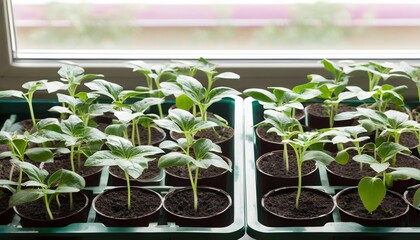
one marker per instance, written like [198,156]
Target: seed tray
[333,230]
[227,108]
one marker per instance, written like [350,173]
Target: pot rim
[210,177]
[121,188]
[303,188]
[269,175]
[405,196]
[55,219]
[364,218]
[199,187]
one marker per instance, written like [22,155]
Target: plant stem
[57,200]
[78,157]
[149,135]
[286,157]
[12,168]
[72,158]
[127,179]
[47,206]
[20,180]
[299,165]
[194,187]
[71,201]
[31,109]
[133,132]
[138,135]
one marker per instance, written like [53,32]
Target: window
[109,29]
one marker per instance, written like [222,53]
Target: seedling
[372,190]
[283,99]
[132,160]
[308,146]
[31,88]
[284,126]
[45,186]
[195,154]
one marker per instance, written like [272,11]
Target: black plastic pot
[273,219]
[320,122]
[142,220]
[270,182]
[413,213]
[6,214]
[79,216]
[347,216]
[217,181]
[219,219]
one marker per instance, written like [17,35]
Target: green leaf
[25,196]
[102,158]
[174,159]
[54,86]
[192,88]
[218,93]
[133,169]
[40,154]
[72,126]
[66,178]
[33,173]
[168,124]
[416,199]
[116,129]
[111,90]
[202,146]
[60,110]
[261,95]
[371,191]
[342,157]
[364,158]
[171,145]
[126,117]
[318,156]
[388,150]
[11,93]
[184,102]
[403,173]
[228,75]
[380,167]
[144,104]
[69,70]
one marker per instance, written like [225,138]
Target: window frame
[256,70]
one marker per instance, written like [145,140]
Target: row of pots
[279,208]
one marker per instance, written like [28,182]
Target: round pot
[211,177]
[391,213]
[6,212]
[413,213]
[111,207]
[37,208]
[318,119]
[280,209]
[214,207]
[92,175]
[273,161]
[152,176]
[225,142]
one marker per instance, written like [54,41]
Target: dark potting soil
[26,124]
[352,168]
[405,160]
[114,203]
[37,209]
[311,204]
[318,109]
[216,134]
[182,171]
[4,200]
[4,148]
[410,193]
[391,206]
[274,165]
[409,140]
[61,162]
[209,203]
[151,172]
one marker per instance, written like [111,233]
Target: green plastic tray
[333,230]
[228,108]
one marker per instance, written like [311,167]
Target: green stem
[72,158]
[20,180]
[79,164]
[299,165]
[149,135]
[71,200]
[194,187]
[138,135]
[47,206]
[127,179]
[57,200]
[31,110]
[202,112]
[133,132]
[286,157]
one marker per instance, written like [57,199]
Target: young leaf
[416,199]
[40,154]
[342,157]
[371,191]
[24,196]
[261,95]
[388,149]
[184,102]
[11,93]
[318,156]
[112,90]
[174,159]
[228,75]
[402,173]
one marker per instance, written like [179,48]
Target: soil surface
[6,165]
[63,162]
[209,203]
[274,165]
[4,147]
[311,204]
[37,210]
[318,110]
[151,172]
[351,169]
[158,135]
[114,203]
[182,171]
[4,199]
[409,140]
[217,134]
[405,160]
[26,124]
[391,206]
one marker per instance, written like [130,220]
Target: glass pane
[215,25]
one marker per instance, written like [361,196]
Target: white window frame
[285,68]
